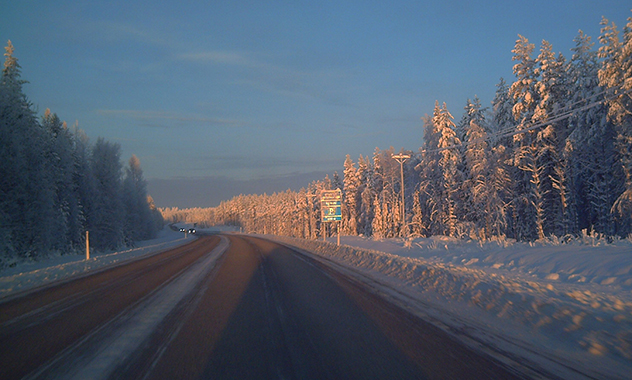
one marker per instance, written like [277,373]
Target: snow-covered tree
[473,111]
[139,224]
[367,194]
[351,196]
[584,151]
[26,200]
[553,177]
[53,185]
[449,160]
[84,180]
[108,212]
[615,75]
[66,233]
[547,161]
[525,97]
[502,113]
[523,92]
[430,190]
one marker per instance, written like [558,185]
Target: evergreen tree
[335,182]
[448,165]
[588,160]
[366,192]
[502,113]
[351,196]
[523,92]
[552,170]
[524,96]
[53,185]
[417,222]
[616,76]
[108,214]
[25,192]
[475,112]
[85,183]
[377,224]
[138,221]
[65,233]
[475,179]
[430,176]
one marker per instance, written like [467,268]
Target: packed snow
[27,275]
[565,308]
[138,324]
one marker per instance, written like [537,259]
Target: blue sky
[219,98]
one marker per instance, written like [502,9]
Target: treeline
[55,185]
[551,157]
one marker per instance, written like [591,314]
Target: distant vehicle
[191,230]
[182,229]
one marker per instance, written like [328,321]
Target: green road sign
[330,205]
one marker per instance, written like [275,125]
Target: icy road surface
[250,308]
[564,308]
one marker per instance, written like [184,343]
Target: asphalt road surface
[231,307]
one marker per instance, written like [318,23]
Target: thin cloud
[122,32]
[273,78]
[150,116]
[220,57]
[237,162]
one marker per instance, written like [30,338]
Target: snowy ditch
[25,276]
[563,306]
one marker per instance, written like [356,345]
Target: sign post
[331,208]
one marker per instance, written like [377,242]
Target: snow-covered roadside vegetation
[521,213]
[549,159]
[55,185]
[560,305]
[27,275]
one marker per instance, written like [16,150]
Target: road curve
[271,313]
[254,310]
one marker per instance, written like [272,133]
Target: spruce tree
[616,76]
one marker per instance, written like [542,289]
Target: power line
[512,131]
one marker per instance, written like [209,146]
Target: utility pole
[401,158]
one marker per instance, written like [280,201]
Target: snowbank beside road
[29,275]
[581,261]
[564,306]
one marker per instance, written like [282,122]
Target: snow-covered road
[210,309]
[561,307]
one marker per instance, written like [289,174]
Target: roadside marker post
[87,245]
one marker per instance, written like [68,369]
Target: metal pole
[401,158]
[87,245]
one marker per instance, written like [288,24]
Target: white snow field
[28,275]
[564,308]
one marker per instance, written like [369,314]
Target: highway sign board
[331,205]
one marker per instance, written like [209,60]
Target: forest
[55,185]
[550,159]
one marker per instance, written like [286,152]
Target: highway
[225,307]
